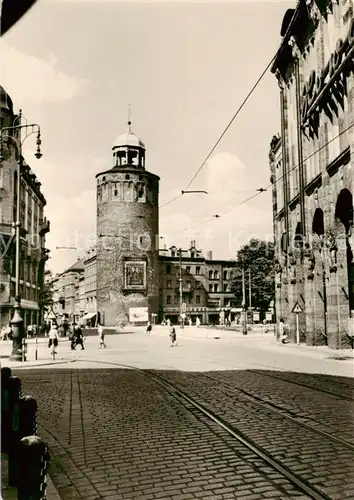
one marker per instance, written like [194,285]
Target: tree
[258,257]
[45,299]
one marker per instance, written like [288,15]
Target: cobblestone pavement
[325,463]
[116,434]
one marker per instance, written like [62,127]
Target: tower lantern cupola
[129,150]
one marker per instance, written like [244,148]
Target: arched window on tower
[133,157]
[140,192]
[128,191]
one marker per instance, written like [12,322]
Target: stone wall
[127,233]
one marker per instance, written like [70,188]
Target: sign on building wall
[135,275]
[138,314]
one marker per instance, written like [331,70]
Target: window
[127,177]
[197,284]
[225,288]
[189,285]
[225,275]
[168,269]
[190,300]
[188,269]
[210,275]
[197,299]
[216,288]
[169,284]
[168,299]
[176,299]
[210,288]
[216,275]
[173,253]
[192,254]
[197,270]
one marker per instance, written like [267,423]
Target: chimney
[192,244]
[210,255]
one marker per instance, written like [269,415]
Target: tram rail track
[190,403]
[278,410]
[301,384]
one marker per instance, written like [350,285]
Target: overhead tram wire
[260,78]
[288,30]
[262,190]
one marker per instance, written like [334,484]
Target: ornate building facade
[34,226]
[127,233]
[312,172]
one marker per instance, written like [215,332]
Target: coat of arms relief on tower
[135,275]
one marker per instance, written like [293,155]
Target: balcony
[44,227]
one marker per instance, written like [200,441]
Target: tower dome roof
[128,139]
[5,100]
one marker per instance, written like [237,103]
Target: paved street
[116,433]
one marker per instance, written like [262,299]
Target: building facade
[33,226]
[66,292]
[312,172]
[127,234]
[206,289]
[206,286]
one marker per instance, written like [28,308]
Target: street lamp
[17,320]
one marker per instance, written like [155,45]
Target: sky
[73,67]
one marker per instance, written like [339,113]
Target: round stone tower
[127,236]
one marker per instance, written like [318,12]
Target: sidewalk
[44,356]
[258,335]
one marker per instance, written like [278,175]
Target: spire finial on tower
[129,118]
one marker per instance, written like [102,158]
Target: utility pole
[244,313]
[180,289]
[249,289]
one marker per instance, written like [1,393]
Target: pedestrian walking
[101,335]
[148,328]
[197,322]
[77,338]
[172,335]
[283,332]
[53,338]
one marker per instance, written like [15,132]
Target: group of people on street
[76,337]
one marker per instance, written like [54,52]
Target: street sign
[297,308]
[184,307]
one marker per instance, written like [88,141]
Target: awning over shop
[88,316]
